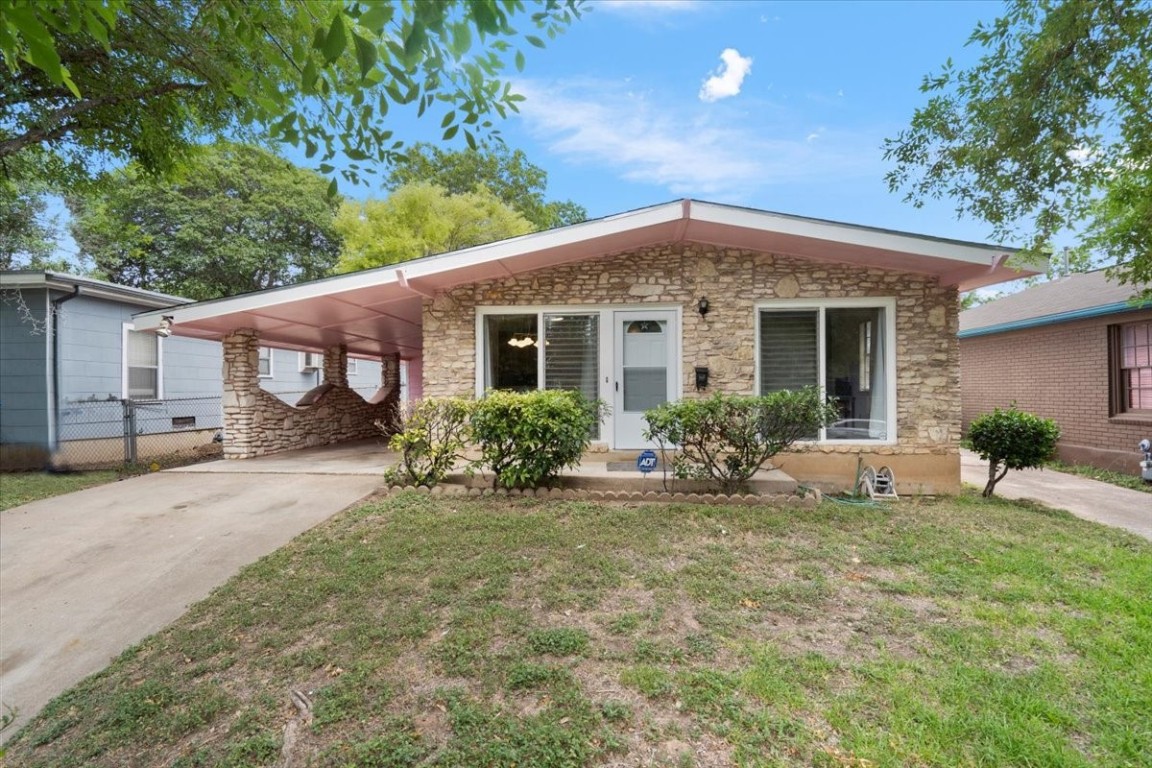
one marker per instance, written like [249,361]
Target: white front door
[645,371]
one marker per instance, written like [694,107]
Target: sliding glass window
[842,349]
[571,359]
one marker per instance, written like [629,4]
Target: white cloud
[693,151]
[1081,155]
[728,78]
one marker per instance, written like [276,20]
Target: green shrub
[432,439]
[725,439]
[1012,439]
[526,439]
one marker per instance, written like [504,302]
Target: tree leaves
[1047,134]
[365,55]
[335,40]
[148,80]
[421,219]
[232,219]
[508,174]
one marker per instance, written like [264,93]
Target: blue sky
[782,106]
[619,115]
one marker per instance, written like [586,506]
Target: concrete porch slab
[372,457]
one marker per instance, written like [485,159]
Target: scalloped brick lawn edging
[808,501]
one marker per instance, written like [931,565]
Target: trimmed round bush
[527,438]
[1012,439]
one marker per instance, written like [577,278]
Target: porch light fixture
[165,329]
[702,306]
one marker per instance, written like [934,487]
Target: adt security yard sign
[646,461]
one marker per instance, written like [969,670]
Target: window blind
[572,353]
[788,350]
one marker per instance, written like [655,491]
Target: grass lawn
[1124,480]
[18,488]
[429,631]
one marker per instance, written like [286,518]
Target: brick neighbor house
[1077,350]
[675,300]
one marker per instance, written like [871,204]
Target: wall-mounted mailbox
[701,377]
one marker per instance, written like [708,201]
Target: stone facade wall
[258,423]
[927,354]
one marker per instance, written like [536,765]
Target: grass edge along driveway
[415,630]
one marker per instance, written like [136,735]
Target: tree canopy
[1049,132]
[422,219]
[105,82]
[230,219]
[507,173]
[27,231]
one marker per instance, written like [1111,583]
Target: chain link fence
[103,434]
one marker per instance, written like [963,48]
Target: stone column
[390,383]
[390,372]
[241,385]
[336,366]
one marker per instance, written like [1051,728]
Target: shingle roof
[1071,297]
[33,278]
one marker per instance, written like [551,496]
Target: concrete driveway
[1082,496]
[86,575]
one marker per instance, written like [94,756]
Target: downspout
[54,316]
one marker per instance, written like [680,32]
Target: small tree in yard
[726,439]
[1012,439]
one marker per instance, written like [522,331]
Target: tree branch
[42,134]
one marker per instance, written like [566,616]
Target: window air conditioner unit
[311,361]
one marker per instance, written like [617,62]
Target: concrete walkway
[1082,496]
[86,575]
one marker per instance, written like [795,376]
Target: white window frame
[353,366]
[127,328]
[271,364]
[606,361]
[888,304]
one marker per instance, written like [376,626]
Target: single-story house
[1077,350]
[675,300]
[69,356]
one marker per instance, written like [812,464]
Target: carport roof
[378,311]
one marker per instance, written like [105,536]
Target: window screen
[143,365]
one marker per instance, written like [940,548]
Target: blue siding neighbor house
[70,359]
